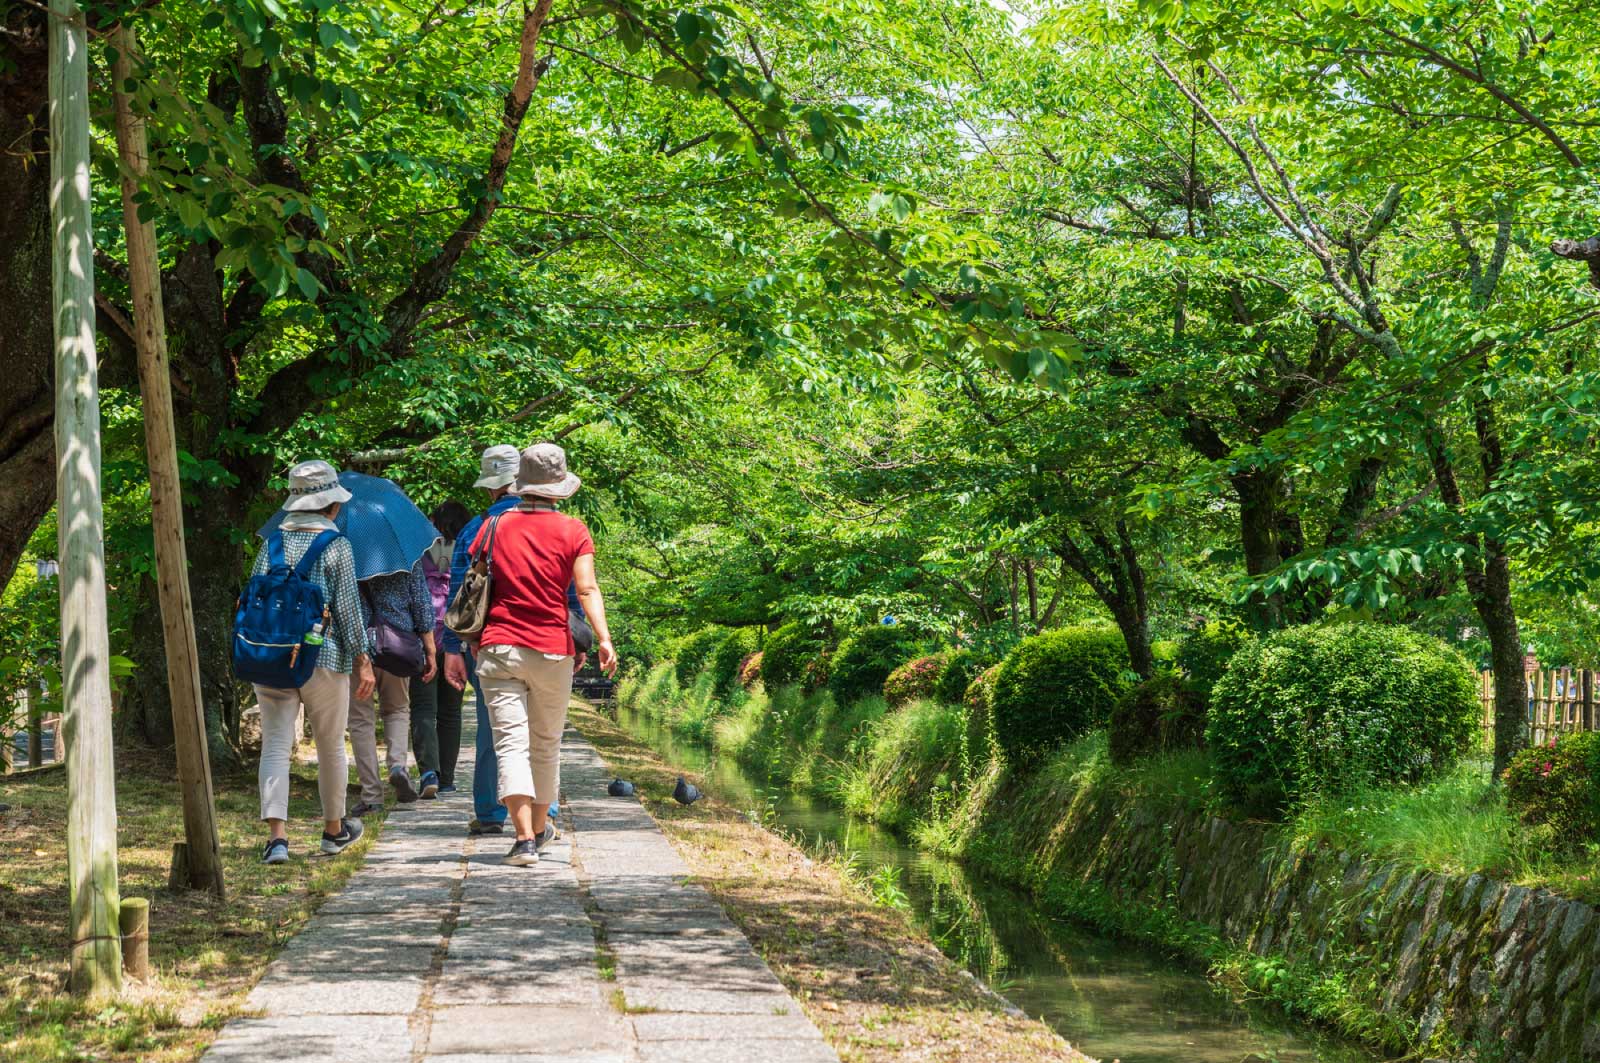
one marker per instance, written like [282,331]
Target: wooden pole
[134,923]
[166,495]
[1588,699]
[91,828]
[35,713]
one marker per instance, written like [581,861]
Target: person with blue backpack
[298,637]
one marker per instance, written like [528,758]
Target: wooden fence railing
[1560,700]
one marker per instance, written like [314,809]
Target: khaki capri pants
[526,693]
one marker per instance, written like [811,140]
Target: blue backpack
[276,612]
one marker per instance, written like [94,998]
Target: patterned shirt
[401,598]
[335,573]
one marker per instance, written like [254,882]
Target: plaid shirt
[335,573]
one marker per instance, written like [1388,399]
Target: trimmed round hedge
[693,652]
[1328,709]
[917,678]
[1204,653]
[728,655]
[1055,686]
[1161,715]
[1557,786]
[961,668]
[865,659]
[787,653]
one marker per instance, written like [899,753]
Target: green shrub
[961,668]
[1053,687]
[729,654]
[978,746]
[1558,784]
[917,678]
[1327,710]
[750,670]
[693,652]
[1204,653]
[787,653]
[865,659]
[1161,715]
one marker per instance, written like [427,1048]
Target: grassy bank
[905,769]
[205,956]
[1043,830]
[877,988]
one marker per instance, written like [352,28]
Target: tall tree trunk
[1260,495]
[27,447]
[204,382]
[1492,599]
[1116,577]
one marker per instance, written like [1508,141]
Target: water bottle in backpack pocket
[277,634]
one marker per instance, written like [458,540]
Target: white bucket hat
[498,467]
[314,485]
[543,473]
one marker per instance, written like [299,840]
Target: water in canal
[1111,999]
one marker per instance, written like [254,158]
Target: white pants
[326,697]
[394,704]
[526,693]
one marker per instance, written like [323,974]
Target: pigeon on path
[620,788]
[686,793]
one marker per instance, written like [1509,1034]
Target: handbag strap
[486,555]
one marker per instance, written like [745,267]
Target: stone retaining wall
[1506,972]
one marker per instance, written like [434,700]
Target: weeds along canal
[1112,999]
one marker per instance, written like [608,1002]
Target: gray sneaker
[350,831]
[400,779]
[523,854]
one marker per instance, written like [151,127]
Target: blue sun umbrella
[387,532]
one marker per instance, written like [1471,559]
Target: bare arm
[594,607]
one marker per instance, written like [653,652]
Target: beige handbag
[469,613]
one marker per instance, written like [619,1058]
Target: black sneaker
[523,854]
[276,852]
[401,781]
[448,788]
[365,808]
[546,836]
[476,827]
[337,843]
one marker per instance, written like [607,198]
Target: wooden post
[166,495]
[35,714]
[91,827]
[1588,699]
[134,923]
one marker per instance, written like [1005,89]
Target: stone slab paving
[435,952]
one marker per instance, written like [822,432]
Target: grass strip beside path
[874,985]
[204,956]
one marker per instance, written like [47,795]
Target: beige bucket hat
[314,485]
[543,473]
[498,467]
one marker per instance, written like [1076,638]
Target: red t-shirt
[532,566]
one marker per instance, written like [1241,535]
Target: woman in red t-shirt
[525,654]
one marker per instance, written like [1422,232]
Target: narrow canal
[1111,999]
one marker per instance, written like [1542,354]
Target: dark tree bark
[1113,572]
[27,394]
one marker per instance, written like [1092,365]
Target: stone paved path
[435,951]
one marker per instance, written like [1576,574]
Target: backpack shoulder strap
[275,555]
[313,553]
